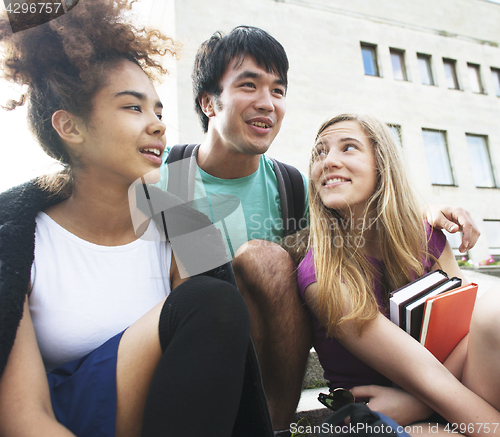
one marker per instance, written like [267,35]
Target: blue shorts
[83,392]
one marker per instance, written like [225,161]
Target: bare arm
[394,402]
[414,369]
[447,262]
[398,404]
[453,219]
[178,274]
[25,406]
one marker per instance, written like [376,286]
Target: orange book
[446,320]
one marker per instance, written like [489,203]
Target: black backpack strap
[179,181]
[292,196]
[179,152]
[290,185]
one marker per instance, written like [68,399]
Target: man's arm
[453,219]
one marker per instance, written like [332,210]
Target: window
[396,133]
[480,160]
[398,64]
[450,71]
[495,75]
[438,160]
[424,66]
[369,53]
[492,233]
[476,84]
[455,241]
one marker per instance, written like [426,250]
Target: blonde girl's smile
[344,170]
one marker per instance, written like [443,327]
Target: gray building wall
[322,39]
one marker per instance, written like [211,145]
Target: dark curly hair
[216,53]
[65,62]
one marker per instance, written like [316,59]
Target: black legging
[208,362]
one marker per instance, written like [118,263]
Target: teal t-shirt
[242,209]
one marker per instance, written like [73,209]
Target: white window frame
[451,75]
[492,235]
[495,76]
[396,133]
[425,66]
[475,80]
[480,160]
[370,48]
[399,71]
[437,152]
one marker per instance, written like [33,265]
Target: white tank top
[83,294]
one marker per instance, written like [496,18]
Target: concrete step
[310,412]
[314,372]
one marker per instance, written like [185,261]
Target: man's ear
[207,104]
[67,126]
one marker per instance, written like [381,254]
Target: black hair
[215,54]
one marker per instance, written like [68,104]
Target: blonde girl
[366,239]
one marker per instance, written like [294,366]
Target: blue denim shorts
[83,392]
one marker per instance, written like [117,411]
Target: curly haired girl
[99,334]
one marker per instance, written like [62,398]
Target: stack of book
[434,309]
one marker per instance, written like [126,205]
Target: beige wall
[322,40]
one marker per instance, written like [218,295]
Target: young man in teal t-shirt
[240,84]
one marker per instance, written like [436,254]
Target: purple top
[341,368]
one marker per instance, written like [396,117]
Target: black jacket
[19,207]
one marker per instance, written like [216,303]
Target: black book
[415,309]
[402,296]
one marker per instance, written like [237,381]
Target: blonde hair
[399,224]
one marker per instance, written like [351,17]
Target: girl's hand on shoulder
[395,403]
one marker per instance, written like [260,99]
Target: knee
[209,303]
[486,318]
[260,249]
[263,259]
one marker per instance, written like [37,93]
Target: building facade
[430,69]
